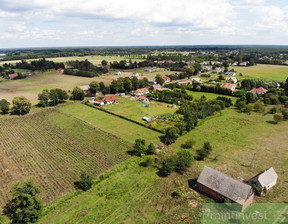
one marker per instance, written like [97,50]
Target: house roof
[166,78]
[12,76]
[230,73]
[231,77]
[259,90]
[157,86]
[225,185]
[143,90]
[228,85]
[84,88]
[108,98]
[142,97]
[185,82]
[60,69]
[266,177]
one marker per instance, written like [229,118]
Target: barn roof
[225,185]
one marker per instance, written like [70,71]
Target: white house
[196,79]
[265,179]
[149,69]
[117,73]
[135,75]
[231,79]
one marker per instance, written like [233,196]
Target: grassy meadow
[262,71]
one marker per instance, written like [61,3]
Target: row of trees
[20,106]
[40,65]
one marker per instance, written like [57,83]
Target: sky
[60,23]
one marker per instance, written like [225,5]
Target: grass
[112,124]
[131,108]
[262,71]
[54,152]
[132,195]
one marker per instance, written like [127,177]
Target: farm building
[185,82]
[85,89]
[230,86]
[155,87]
[143,99]
[266,179]
[117,73]
[166,79]
[259,90]
[60,70]
[230,73]
[140,92]
[152,81]
[149,69]
[196,79]
[231,79]
[135,75]
[222,187]
[13,76]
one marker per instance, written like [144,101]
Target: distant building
[265,180]
[149,69]
[117,73]
[135,75]
[143,99]
[230,73]
[259,90]
[13,76]
[60,70]
[230,86]
[231,79]
[152,81]
[185,82]
[86,90]
[217,70]
[222,187]
[196,79]
[140,92]
[166,79]
[25,74]
[156,87]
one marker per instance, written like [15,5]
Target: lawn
[54,152]
[209,96]
[131,108]
[261,71]
[112,124]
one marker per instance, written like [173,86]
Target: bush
[184,160]
[139,147]
[178,193]
[21,105]
[188,144]
[274,110]
[77,94]
[4,106]
[151,149]
[205,151]
[85,182]
[148,161]
[277,118]
[168,166]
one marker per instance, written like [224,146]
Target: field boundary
[125,118]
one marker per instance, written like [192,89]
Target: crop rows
[53,149]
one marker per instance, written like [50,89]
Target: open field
[133,195]
[268,72]
[235,138]
[124,129]
[131,108]
[209,96]
[54,152]
[95,59]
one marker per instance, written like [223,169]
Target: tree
[286,87]
[248,108]
[159,79]
[259,107]
[139,147]
[93,87]
[85,182]
[251,97]
[171,135]
[25,206]
[61,94]
[77,94]
[21,105]
[104,62]
[205,151]
[190,120]
[190,71]
[168,166]
[43,98]
[4,106]
[151,149]
[277,118]
[184,160]
[188,144]
[53,96]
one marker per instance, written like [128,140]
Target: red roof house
[166,79]
[259,90]
[13,76]
[61,70]
[110,99]
[230,86]
[143,99]
[140,92]
[186,82]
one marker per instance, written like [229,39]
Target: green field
[261,71]
[54,152]
[209,96]
[131,108]
[112,124]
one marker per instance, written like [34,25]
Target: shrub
[184,160]
[277,118]
[85,182]
[188,144]
[168,166]
[4,106]
[148,161]
[21,105]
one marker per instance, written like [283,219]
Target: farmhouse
[166,79]
[135,75]
[265,180]
[85,89]
[152,81]
[117,73]
[230,86]
[13,76]
[230,73]
[60,70]
[222,187]
[108,99]
[259,90]
[143,99]
[196,80]
[155,87]
[185,82]
[149,69]
[231,79]
[140,92]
